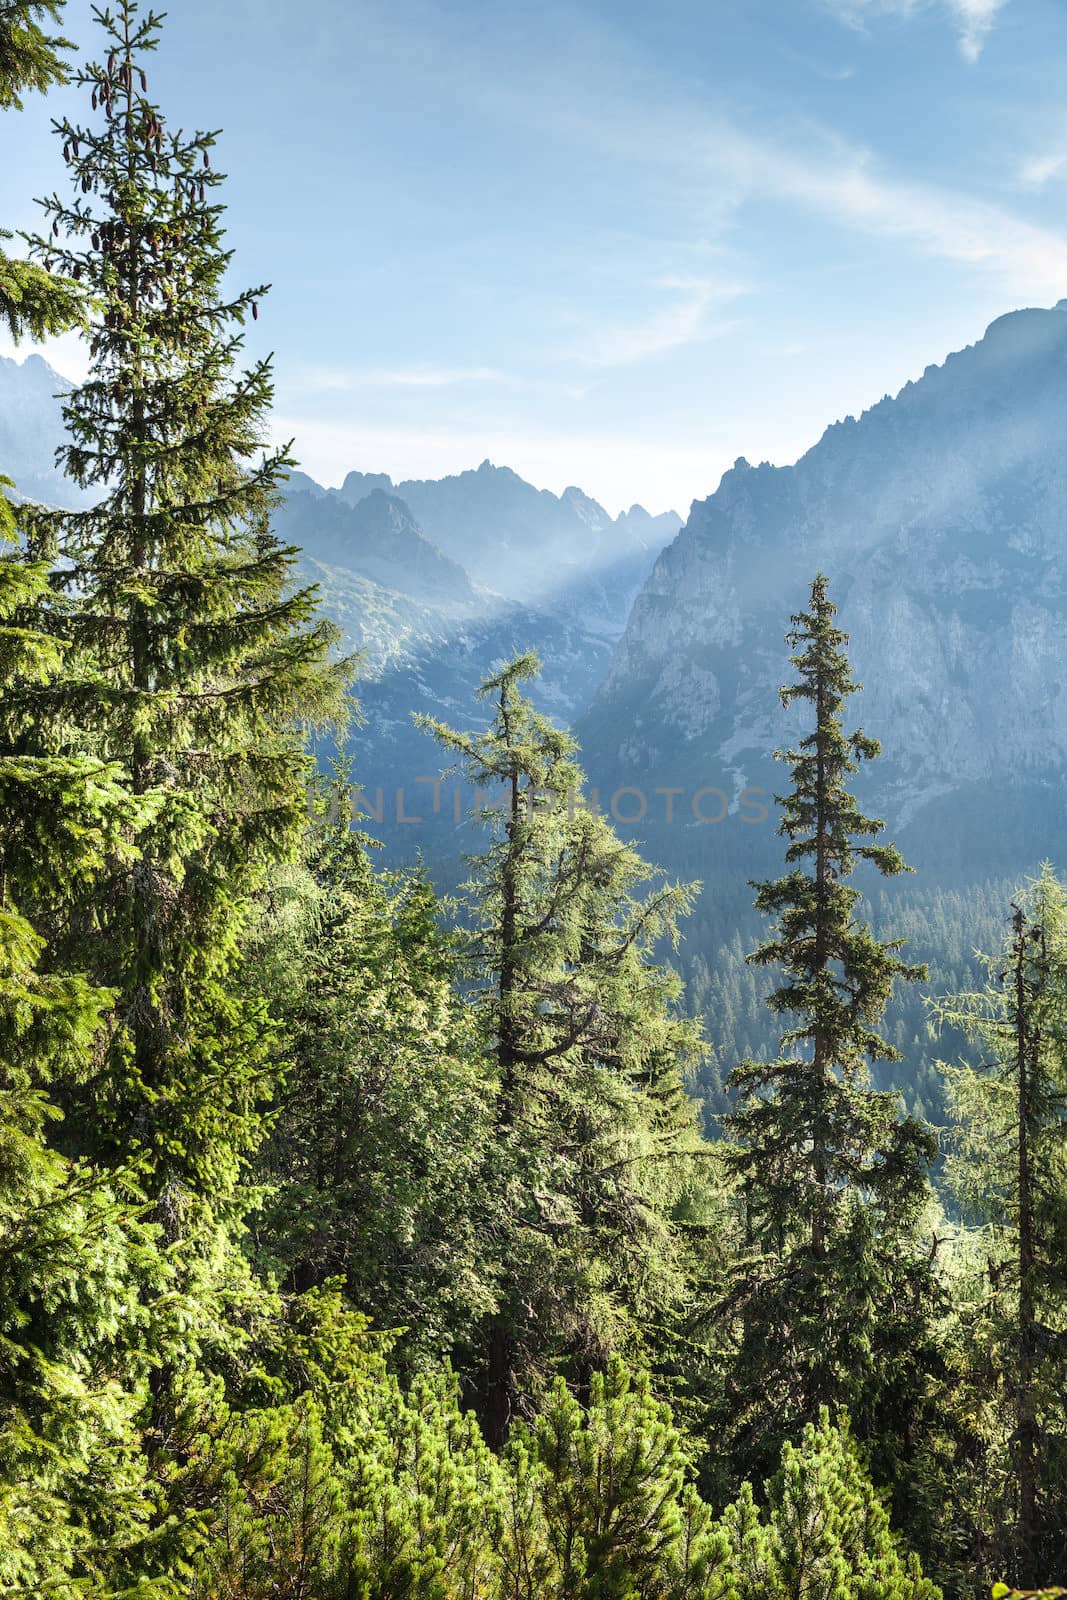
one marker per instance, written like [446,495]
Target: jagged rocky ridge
[560,550]
[378,538]
[425,634]
[941,517]
[433,601]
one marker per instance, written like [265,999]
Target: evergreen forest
[361,1243]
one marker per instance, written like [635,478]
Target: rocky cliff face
[940,517]
[377,538]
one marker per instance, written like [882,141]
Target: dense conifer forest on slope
[346,1254]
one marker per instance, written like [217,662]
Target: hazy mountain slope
[426,635]
[31,427]
[550,573]
[420,657]
[941,518]
[530,544]
[377,538]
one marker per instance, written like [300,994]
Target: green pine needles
[831,1177]
[33,302]
[594,1145]
[360,1245]
[190,656]
[31,59]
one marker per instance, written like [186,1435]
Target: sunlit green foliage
[360,1247]
[833,1293]
[593,1145]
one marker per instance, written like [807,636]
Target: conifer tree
[343,1483]
[189,659]
[375,1156]
[49,805]
[75,1504]
[827,1535]
[594,1138]
[72,1493]
[76,1258]
[621,1519]
[1008,1170]
[833,1293]
[32,301]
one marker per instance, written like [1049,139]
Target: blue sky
[610,243]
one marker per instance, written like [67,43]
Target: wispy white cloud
[940,223]
[715,160]
[428,377]
[1039,170]
[601,96]
[604,98]
[828,176]
[684,321]
[973,18]
[855,13]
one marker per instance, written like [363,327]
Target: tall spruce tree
[189,657]
[32,301]
[594,1140]
[833,1293]
[72,1493]
[1008,1170]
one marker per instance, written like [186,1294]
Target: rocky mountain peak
[939,517]
[377,538]
[358,485]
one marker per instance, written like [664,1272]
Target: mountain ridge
[530,543]
[508,537]
[31,429]
[939,516]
